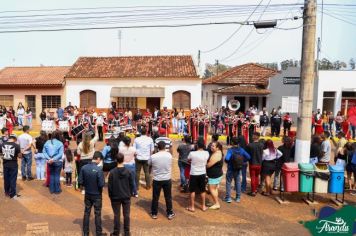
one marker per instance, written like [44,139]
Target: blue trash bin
[336,181]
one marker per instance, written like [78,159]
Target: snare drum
[78,130]
[63,125]
[48,126]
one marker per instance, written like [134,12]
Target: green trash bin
[306,177]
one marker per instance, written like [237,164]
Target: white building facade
[134,82]
[336,89]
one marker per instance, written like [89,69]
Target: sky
[263,46]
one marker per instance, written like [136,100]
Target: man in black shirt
[92,178]
[10,151]
[120,189]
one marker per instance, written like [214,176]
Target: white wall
[335,81]
[102,87]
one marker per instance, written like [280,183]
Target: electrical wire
[248,35]
[233,34]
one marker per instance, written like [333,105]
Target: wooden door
[151,103]
[181,99]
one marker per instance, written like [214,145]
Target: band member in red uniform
[287,124]
[345,125]
[245,129]
[9,123]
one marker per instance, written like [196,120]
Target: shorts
[109,166]
[268,167]
[197,183]
[349,167]
[214,181]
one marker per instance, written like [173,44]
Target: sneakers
[153,216]
[171,216]
[24,178]
[30,178]
[17,196]
[83,192]
[238,200]
[252,194]
[228,200]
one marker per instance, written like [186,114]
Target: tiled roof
[243,90]
[134,67]
[244,74]
[44,76]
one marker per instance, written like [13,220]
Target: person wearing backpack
[235,158]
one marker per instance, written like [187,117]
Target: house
[38,87]
[134,82]
[246,83]
[331,91]
[284,88]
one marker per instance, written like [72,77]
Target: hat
[97,155]
[13,136]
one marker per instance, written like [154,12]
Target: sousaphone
[233,105]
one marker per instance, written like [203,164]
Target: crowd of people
[117,167]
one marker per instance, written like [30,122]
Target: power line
[248,35]
[232,35]
[123,27]
[335,17]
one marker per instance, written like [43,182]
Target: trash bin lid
[290,166]
[337,168]
[316,168]
[306,166]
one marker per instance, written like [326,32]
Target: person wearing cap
[10,151]
[92,178]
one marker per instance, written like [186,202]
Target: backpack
[237,161]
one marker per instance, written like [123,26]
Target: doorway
[151,103]
[242,103]
[31,103]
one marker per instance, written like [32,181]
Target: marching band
[198,123]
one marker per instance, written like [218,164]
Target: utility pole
[302,148]
[119,37]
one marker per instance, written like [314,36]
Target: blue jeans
[244,177]
[181,173]
[54,181]
[10,177]
[236,176]
[20,120]
[181,126]
[40,166]
[353,131]
[132,169]
[29,122]
[175,125]
[26,164]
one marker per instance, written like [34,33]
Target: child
[68,169]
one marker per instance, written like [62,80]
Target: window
[290,104]
[88,99]
[181,99]
[7,100]
[51,102]
[349,94]
[329,94]
[126,102]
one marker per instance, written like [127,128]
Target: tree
[325,64]
[339,65]
[289,63]
[273,65]
[213,69]
[352,64]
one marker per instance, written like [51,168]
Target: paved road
[37,212]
